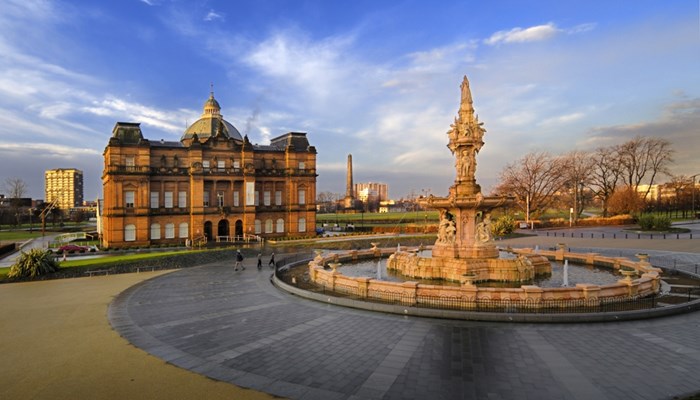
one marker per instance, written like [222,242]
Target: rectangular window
[155,231]
[182,199]
[302,224]
[183,230]
[302,165]
[205,164]
[278,198]
[266,197]
[206,199]
[302,196]
[221,165]
[129,198]
[250,193]
[154,199]
[236,200]
[236,164]
[129,162]
[257,198]
[220,199]
[168,199]
[169,231]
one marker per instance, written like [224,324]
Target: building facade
[372,192]
[212,184]
[64,185]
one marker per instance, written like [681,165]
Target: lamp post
[693,193]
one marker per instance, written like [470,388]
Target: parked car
[72,248]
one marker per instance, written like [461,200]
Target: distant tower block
[349,195]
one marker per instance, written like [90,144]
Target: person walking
[271,264]
[239,261]
[259,261]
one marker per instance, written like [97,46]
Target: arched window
[302,224]
[169,231]
[280,225]
[258,226]
[155,231]
[184,230]
[130,233]
[268,226]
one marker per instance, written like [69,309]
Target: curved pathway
[236,327]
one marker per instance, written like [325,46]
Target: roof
[211,124]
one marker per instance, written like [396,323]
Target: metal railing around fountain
[527,306]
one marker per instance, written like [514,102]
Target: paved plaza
[236,327]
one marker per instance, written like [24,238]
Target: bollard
[664,236]
[639,236]
[591,236]
[677,236]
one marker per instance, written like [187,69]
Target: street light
[693,206]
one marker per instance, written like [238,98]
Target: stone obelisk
[349,190]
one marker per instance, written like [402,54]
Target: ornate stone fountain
[464,244]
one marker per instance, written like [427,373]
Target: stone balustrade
[409,293]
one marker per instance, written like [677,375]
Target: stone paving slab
[236,327]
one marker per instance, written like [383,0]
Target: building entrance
[223,228]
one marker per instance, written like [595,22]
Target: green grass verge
[405,217]
[117,259]
[12,236]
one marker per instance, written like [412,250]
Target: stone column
[362,286]
[409,290]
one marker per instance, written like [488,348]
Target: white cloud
[213,16]
[562,119]
[47,150]
[519,35]
[535,33]
[123,110]
[293,60]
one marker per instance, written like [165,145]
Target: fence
[618,235]
[527,306]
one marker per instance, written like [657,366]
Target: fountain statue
[465,242]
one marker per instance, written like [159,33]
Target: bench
[151,268]
[97,271]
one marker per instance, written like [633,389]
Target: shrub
[662,223]
[646,222]
[35,263]
[504,225]
[651,222]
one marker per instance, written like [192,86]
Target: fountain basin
[530,296]
[523,268]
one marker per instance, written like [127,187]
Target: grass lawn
[11,236]
[109,259]
[405,217]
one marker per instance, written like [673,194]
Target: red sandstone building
[212,184]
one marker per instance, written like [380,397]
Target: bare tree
[606,174]
[16,188]
[681,187]
[534,180]
[577,169]
[643,158]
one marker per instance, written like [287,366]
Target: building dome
[211,123]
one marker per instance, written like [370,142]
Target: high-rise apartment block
[372,192]
[66,185]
